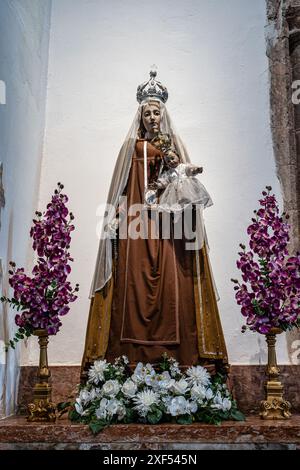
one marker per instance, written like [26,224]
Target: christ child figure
[180,186]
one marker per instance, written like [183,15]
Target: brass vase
[274,406]
[42,409]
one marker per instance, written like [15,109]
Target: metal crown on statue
[152,89]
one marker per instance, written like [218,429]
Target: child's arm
[192,170]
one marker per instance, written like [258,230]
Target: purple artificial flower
[270,293]
[45,296]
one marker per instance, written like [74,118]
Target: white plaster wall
[24,35]
[211,56]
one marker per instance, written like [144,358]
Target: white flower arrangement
[115,394]
[96,372]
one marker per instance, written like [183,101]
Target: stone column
[283,50]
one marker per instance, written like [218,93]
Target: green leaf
[63,408]
[185,419]
[237,415]
[129,418]
[97,426]
[63,405]
[155,416]
[73,415]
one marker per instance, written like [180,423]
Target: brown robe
[160,297]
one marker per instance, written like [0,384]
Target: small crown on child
[162,142]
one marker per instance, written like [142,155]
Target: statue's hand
[153,185]
[197,169]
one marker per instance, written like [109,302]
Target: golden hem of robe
[159,299]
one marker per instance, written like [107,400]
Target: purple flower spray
[269,295]
[45,296]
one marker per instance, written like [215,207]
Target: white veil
[103,268]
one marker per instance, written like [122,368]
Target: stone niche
[283,50]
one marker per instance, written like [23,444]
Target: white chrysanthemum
[180,387]
[111,388]
[96,372]
[178,406]
[129,388]
[198,375]
[144,400]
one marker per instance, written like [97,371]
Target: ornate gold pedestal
[274,407]
[42,409]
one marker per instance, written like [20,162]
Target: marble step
[254,433]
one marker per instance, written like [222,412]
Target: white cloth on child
[182,189]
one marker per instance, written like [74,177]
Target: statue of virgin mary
[151,295]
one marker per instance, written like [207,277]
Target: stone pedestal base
[275,407]
[254,433]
